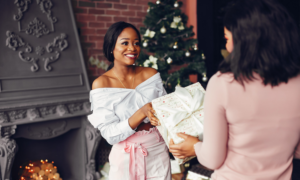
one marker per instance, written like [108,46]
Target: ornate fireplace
[44,90]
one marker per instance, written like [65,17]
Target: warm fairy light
[40,170]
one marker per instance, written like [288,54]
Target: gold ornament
[203,56]
[175,45]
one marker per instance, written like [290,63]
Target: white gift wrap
[181,111]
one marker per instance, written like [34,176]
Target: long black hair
[266,41]
[111,37]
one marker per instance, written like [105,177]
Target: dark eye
[137,43]
[125,43]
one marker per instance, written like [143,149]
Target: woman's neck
[124,72]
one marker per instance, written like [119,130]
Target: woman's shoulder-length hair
[266,41]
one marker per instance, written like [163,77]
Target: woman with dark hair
[122,110]
[252,105]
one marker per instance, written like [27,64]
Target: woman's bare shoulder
[146,72]
[102,81]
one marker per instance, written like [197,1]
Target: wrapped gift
[181,111]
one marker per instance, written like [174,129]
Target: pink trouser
[144,155]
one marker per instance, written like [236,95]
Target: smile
[131,55]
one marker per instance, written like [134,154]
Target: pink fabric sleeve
[212,151]
[297,152]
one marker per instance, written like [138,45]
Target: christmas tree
[167,41]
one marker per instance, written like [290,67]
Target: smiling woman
[122,110]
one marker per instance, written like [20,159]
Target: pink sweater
[251,132]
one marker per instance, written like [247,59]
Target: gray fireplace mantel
[44,86]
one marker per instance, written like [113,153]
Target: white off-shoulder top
[112,107]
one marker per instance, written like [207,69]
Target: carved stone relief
[48,132]
[93,138]
[59,44]
[8,149]
[30,114]
[37,28]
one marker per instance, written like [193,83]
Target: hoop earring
[111,52]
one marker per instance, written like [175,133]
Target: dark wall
[210,28]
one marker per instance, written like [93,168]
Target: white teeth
[129,55]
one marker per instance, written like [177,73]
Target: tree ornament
[145,43]
[204,78]
[203,56]
[195,47]
[149,33]
[158,2]
[151,61]
[176,4]
[148,10]
[169,60]
[163,30]
[175,46]
[187,54]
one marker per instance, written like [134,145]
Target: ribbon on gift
[196,103]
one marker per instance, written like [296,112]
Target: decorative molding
[62,109]
[93,138]
[22,7]
[39,50]
[8,149]
[17,114]
[74,107]
[46,6]
[14,42]
[37,28]
[33,113]
[48,132]
[44,111]
[60,44]
[3,117]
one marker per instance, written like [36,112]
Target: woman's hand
[149,112]
[184,149]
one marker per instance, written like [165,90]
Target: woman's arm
[212,151]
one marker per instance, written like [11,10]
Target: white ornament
[169,60]
[176,4]
[148,10]
[163,30]
[187,54]
[203,56]
[145,44]
[158,2]
[175,45]
[204,79]
[195,47]
[149,33]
